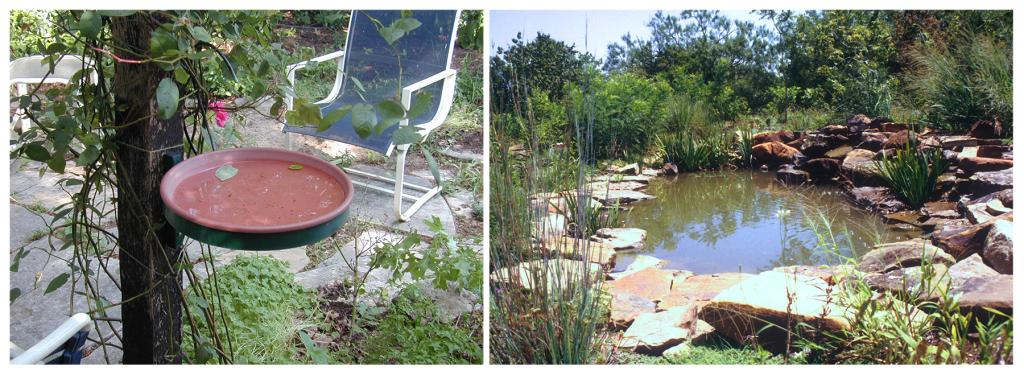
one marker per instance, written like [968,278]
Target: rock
[621,238]
[816,144]
[893,127]
[957,142]
[860,121]
[909,281]
[978,213]
[821,169]
[834,130]
[651,283]
[682,349]
[992,151]
[829,274]
[653,333]
[557,273]
[972,165]
[995,207]
[616,178]
[774,153]
[972,266]
[640,263]
[898,140]
[620,197]
[890,256]
[792,176]
[551,224]
[670,169]
[872,141]
[878,199]
[906,217]
[839,152]
[758,306]
[982,183]
[986,129]
[700,288]
[629,169]
[977,293]
[939,208]
[572,248]
[652,172]
[998,251]
[860,168]
[625,307]
[781,136]
[968,152]
[962,241]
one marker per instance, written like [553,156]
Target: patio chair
[63,346]
[367,68]
[33,70]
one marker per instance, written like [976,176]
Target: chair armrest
[52,342]
[447,95]
[291,69]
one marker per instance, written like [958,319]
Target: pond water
[746,221]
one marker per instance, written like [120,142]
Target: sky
[593,28]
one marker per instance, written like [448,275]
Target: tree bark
[150,282]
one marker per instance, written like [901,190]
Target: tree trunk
[150,282]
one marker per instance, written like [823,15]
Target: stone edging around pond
[967,237]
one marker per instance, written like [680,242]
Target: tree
[541,65]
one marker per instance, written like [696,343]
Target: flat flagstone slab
[377,207]
[27,226]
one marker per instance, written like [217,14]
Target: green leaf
[56,283]
[275,109]
[333,117]
[226,172]
[57,163]
[406,24]
[88,156]
[37,152]
[359,84]
[200,301]
[432,163]
[15,293]
[390,112]
[364,118]
[295,167]
[406,135]
[89,24]
[420,104]
[390,34]
[200,33]
[166,98]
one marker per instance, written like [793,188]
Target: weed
[912,173]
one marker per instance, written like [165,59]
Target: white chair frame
[22,85]
[447,97]
[42,351]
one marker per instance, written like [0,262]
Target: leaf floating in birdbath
[295,167]
[226,172]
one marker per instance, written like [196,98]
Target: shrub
[413,331]
[969,81]
[264,311]
[690,153]
[685,113]
[628,111]
[912,173]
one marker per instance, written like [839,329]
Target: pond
[746,221]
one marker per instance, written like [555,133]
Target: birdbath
[256,198]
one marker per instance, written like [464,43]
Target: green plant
[585,220]
[691,154]
[414,331]
[745,145]
[912,173]
[443,261]
[264,312]
[968,81]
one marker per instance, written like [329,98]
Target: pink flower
[220,114]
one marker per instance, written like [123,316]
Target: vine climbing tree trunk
[150,282]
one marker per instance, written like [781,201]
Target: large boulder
[754,310]
[962,241]
[860,168]
[774,154]
[653,333]
[652,283]
[980,292]
[781,136]
[998,251]
[898,140]
[878,199]
[626,307]
[972,165]
[859,122]
[872,141]
[982,183]
[821,169]
[972,266]
[700,288]
[815,144]
[890,256]
[986,129]
[835,130]
[917,282]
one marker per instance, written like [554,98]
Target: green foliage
[414,331]
[685,113]
[444,260]
[691,153]
[628,110]
[707,355]
[471,30]
[541,65]
[912,173]
[264,310]
[585,220]
[968,81]
[31,31]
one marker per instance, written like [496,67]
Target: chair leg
[400,184]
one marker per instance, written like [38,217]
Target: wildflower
[221,116]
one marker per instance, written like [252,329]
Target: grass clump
[413,331]
[584,220]
[912,173]
[692,154]
[263,309]
[707,355]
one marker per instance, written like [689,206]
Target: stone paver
[25,225]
